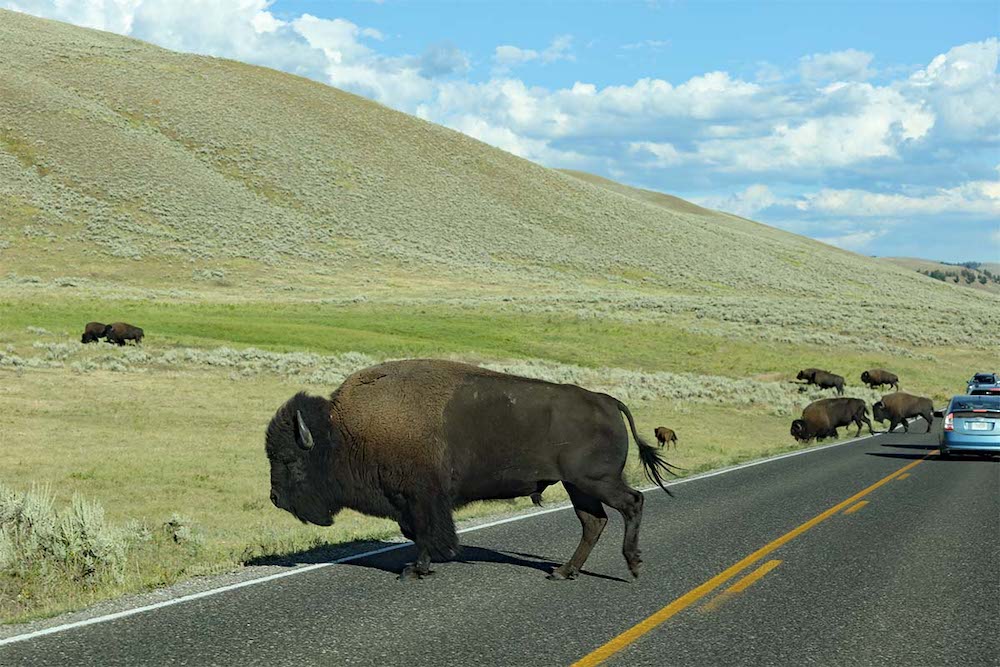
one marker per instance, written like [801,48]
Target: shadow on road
[394,560]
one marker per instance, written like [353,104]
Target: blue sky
[874,126]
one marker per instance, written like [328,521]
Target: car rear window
[984,378]
[968,403]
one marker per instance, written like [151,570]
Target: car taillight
[949,422]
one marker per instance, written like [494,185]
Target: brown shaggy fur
[119,332]
[876,377]
[822,418]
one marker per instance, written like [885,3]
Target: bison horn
[302,434]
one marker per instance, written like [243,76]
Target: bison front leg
[428,519]
[593,519]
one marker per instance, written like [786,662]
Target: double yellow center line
[683,602]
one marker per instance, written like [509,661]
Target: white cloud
[746,203]
[849,65]
[962,87]
[650,44]
[974,197]
[110,15]
[506,56]
[855,241]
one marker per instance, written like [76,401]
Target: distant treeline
[970,273]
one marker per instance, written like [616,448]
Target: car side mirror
[939,413]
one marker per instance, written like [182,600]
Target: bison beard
[412,440]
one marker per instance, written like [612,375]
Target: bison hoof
[414,571]
[563,574]
[633,567]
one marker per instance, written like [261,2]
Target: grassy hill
[271,234]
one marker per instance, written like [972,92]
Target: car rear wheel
[944,453]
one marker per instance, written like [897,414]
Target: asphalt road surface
[869,553]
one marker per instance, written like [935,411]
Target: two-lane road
[874,552]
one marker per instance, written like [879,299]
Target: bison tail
[653,464]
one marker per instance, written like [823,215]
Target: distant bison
[93,332]
[412,440]
[119,332]
[877,377]
[665,435]
[809,374]
[899,407]
[827,380]
[822,418]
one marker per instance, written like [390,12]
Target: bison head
[865,376]
[299,443]
[802,376]
[798,430]
[879,413]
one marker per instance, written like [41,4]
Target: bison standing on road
[899,407]
[119,332]
[877,377]
[822,418]
[412,440]
[665,435]
[93,332]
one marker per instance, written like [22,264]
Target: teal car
[971,424]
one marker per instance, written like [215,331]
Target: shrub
[75,543]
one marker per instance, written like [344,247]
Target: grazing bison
[93,332]
[412,440]
[822,418]
[898,407]
[877,377]
[119,332]
[665,435]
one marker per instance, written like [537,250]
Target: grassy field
[170,435]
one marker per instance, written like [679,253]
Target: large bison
[93,332]
[665,436]
[897,408]
[119,332]
[412,440]
[822,418]
[877,377]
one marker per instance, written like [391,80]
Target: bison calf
[822,418]
[119,332]
[412,440]
[665,436]
[877,377]
[899,407]
[93,332]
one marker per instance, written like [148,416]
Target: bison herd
[116,332]
[821,419]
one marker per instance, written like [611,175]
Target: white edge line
[392,547]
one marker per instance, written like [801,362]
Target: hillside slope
[125,164]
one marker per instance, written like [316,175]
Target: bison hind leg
[592,518]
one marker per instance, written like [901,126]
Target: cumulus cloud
[849,65]
[856,241]
[507,57]
[974,197]
[745,203]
